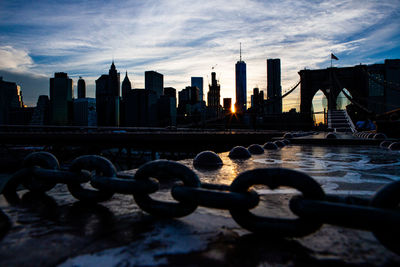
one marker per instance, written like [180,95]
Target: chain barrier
[379,214]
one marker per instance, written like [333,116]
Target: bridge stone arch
[331,81]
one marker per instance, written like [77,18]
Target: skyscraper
[241,85]
[114,81]
[81,88]
[274,89]
[154,81]
[170,92]
[126,86]
[61,92]
[107,98]
[198,82]
[213,96]
[10,97]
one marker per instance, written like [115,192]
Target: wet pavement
[55,229]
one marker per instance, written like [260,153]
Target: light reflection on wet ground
[340,170]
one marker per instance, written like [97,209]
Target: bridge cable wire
[349,97]
[270,100]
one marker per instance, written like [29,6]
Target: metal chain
[379,214]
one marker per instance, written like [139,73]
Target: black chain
[379,214]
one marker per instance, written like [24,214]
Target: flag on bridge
[334,57]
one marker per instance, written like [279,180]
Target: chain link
[379,214]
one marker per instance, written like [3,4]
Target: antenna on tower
[240,51]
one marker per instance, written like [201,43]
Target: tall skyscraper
[61,92]
[126,86]
[126,89]
[114,81]
[241,85]
[107,98]
[154,81]
[198,82]
[274,89]
[213,96]
[81,88]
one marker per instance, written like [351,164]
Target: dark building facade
[257,101]
[154,81]
[167,111]
[198,82]
[126,86]
[61,92]
[10,98]
[227,105]
[85,112]
[241,86]
[274,89]
[141,108]
[170,92]
[213,96]
[41,114]
[108,98]
[81,88]
[188,97]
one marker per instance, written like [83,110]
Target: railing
[349,120]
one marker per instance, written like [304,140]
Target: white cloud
[14,59]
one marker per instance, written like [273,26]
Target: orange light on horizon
[233,109]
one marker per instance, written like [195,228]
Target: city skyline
[183,40]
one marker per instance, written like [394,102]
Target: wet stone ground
[55,229]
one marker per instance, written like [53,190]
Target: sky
[182,38]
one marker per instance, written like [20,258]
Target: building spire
[240,51]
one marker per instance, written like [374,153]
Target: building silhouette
[213,96]
[167,111]
[141,108]
[61,92]
[198,82]
[108,98]
[241,85]
[81,88]
[126,89]
[126,86]
[10,99]
[154,81]
[190,108]
[85,112]
[170,92]
[41,114]
[257,101]
[274,89]
[227,105]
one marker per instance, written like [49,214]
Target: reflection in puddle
[340,170]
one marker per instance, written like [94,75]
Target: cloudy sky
[181,38]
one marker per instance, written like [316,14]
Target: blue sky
[185,38]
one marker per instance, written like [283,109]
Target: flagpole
[331,60]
